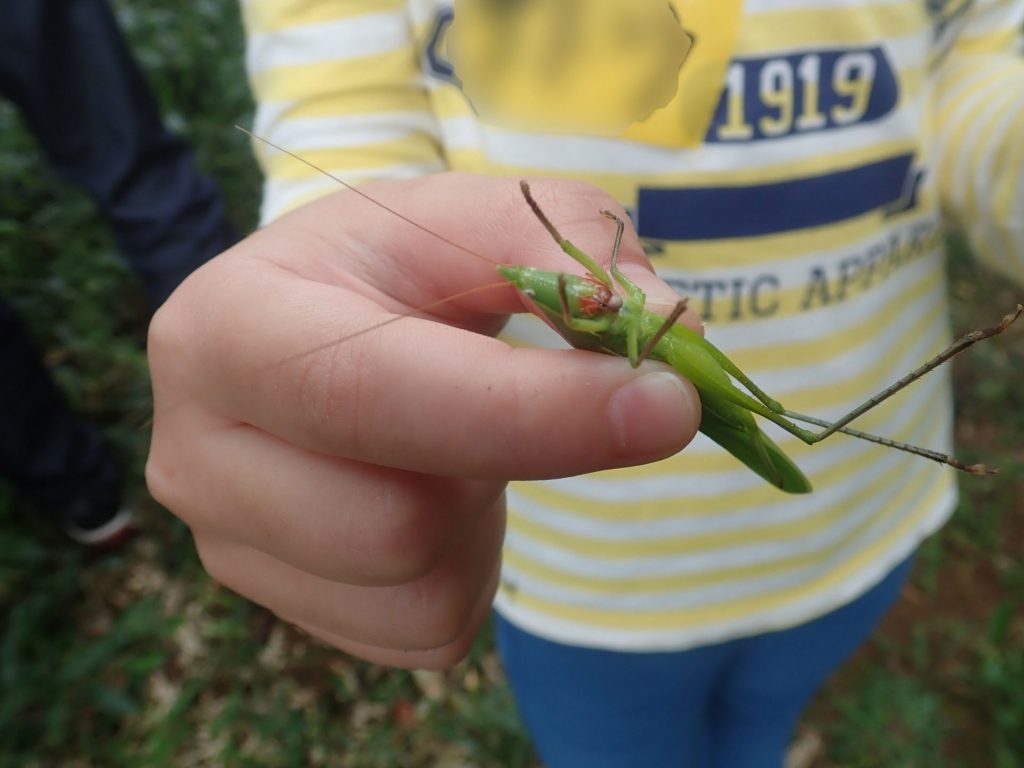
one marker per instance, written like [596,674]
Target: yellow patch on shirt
[649,70]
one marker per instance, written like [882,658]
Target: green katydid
[606,312]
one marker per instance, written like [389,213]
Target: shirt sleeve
[979,130]
[337,82]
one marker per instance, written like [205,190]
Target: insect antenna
[353,188]
[394,319]
[411,313]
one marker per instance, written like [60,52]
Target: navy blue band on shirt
[714,213]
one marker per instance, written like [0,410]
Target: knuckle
[159,479]
[214,565]
[447,616]
[164,479]
[410,547]
[449,655]
[171,472]
[420,534]
[165,338]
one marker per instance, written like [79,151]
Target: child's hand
[353,482]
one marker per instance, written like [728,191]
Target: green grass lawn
[138,659]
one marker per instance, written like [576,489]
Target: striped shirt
[807,228]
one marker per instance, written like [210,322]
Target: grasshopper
[606,312]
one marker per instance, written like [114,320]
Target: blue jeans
[732,705]
[70,72]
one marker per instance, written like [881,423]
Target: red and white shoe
[106,533]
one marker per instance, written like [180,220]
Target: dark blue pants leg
[66,66]
[45,451]
[731,705]
[69,70]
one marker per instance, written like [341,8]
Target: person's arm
[338,82]
[979,129]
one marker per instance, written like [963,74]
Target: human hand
[352,480]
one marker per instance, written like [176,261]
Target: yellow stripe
[965,187]
[804,355]
[950,78]
[996,200]
[943,117]
[263,16]
[696,543]
[675,582]
[1004,40]
[295,82]
[710,257]
[772,31]
[1007,204]
[780,355]
[414,149]
[449,102]
[815,165]
[380,100]
[734,609]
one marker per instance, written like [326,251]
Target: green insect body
[605,312]
[601,320]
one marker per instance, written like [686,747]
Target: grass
[139,659]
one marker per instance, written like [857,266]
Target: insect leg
[592,266]
[670,320]
[952,350]
[942,458]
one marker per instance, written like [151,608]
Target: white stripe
[835,369]
[963,90]
[592,155]
[793,271]
[299,134]
[986,18]
[825,321]
[966,174]
[755,622]
[349,38]
[989,226]
[768,553]
[751,7]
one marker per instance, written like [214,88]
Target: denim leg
[608,709]
[759,700]
[731,705]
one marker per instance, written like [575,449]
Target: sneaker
[104,531]
[97,517]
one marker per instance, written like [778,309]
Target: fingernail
[654,415]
